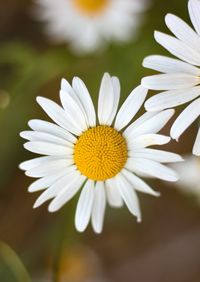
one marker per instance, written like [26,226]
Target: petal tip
[106,75]
[168,17]
[156,33]
[98,232]
[30,189]
[30,122]
[20,166]
[36,205]
[40,99]
[148,107]
[21,134]
[143,80]
[52,208]
[157,194]
[174,135]
[63,80]
[27,173]
[79,228]
[26,145]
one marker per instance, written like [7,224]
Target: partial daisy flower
[181,77]
[104,157]
[189,172]
[89,24]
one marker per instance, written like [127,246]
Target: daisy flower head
[103,158]
[189,172]
[87,25]
[180,78]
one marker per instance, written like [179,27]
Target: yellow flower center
[100,153]
[91,7]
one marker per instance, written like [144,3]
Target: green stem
[14,263]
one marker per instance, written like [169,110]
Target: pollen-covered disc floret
[91,7]
[102,159]
[100,153]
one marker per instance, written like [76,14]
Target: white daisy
[104,157]
[88,24]
[181,77]
[189,172]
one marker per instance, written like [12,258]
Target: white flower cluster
[88,25]
[179,82]
[180,77]
[105,155]
[78,148]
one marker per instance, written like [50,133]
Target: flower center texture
[100,153]
[91,6]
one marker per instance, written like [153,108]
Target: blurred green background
[38,246]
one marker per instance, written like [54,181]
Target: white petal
[178,48]
[138,184]
[44,137]
[57,114]
[185,119]
[48,127]
[49,168]
[156,155]
[65,86]
[152,125]
[170,81]
[169,65]
[194,11]
[106,100]
[138,122]
[84,206]
[196,148]
[74,112]
[183,31]
[56,188]
[129,196]
[47,181]
[69,91]
[151,168]
[45,148]
[99,206]
[116,85]
[117,89]
[113,196]
[85,99]
[147,140]
[171,98]
[130,107]
[26,165]
[67,193]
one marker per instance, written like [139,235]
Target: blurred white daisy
[181,78]
[104,157]
[88,24]
[189,172]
